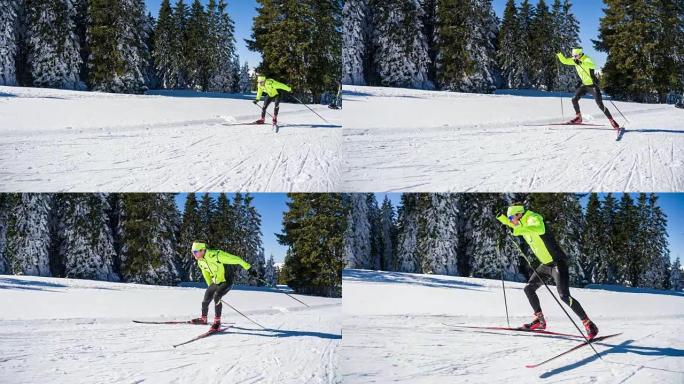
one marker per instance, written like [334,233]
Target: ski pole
[558,70]
[554,297]
[276,288]
[503,285]
[300,102]
[243,315]
[259,106]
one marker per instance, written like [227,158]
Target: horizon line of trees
[612,241]
[463,46]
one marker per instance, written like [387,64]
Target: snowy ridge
[394,332]
[77,331]
[440,142]
[84,141]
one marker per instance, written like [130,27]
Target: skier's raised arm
[229,258]
[565,60]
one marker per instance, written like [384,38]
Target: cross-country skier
[270,87]
[589,83]
[218,269]
[530,226]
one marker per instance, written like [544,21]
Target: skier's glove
[255,101]
[252,272]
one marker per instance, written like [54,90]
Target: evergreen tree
[163,43]
[401,54]
[354,44]
[592,252]
[199,47]
[313,231]
[357,238]
[8,41]
[190,231]
[53,47]
[179,45]
[270,272]
[438,233]
[676,276]
[388,235]
[627,262]
[524,49]
[654,242]
[147,229]
[5,209]
[245,82]
[225,61]
[566,37]
[28,234]
[86,248]
[247,230]
[607,271]
[507,56]
[407,258]
[207,217]
[544,64]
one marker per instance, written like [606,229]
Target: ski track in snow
[65,141]
[79,331]
[394,332]
[451,142]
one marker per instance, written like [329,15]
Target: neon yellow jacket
[271,88]
[583,69]
[212,265]
[531,228]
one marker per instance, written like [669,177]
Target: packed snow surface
[395,332]
[426,141]
[81,331]
[55,140]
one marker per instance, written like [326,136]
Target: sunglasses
[196,252]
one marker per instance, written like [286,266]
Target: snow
[80,331]
[394,332]
[441,142]
[56,140]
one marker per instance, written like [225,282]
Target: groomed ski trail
[442,142]
[80,331]
[67,141]
[394,332]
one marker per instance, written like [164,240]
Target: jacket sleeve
[534,225]
[565,60]
[588,63]
[207,277]
[278,85]
[227,258]
[260,91]
[504,220]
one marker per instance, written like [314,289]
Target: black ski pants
[596,92]
[215,292]
[560,274]
[275,99]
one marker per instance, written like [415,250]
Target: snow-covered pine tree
[626,242]
[676,276]
[147,228]
[200,47]
[226,62]
[506,54]
[523,48]
[562,213]
[438,233]
[223,223]
[354,42]
[134,48]
[357,238]
[53,46]
[593,244]
[4,221]
[388,234]
[566,37]
[163,46]
[325,54]
[190,231]
[484,245]
[375,219]
[179,45]
[608,270]
[86,248]
[543,63]
[407,258]
[313,230]
[207,215]
[245,82]
[8,41]
[400,54]
[28,234]
[247,236]
[270,272]
[657,256]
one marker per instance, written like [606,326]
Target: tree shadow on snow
[624,347]
[10,283]
[193,94]
[3,94]
[278,333]
[309,126]
[617,288]
[433,281]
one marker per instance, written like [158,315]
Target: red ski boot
[576,120]
[615,124]
[260,121]
[592,329]
[539,323]
[199,320]
[216,326]
[275,121]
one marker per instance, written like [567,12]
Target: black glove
[255,101]
[578,61]
[252,272]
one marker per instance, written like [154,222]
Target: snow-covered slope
[394,332]
[54,140]
[399,139]
[80,331]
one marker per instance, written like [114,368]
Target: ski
[538,331]
[239,124]
[557,124]
[167,322]
[276,128]
[202,336]
[621,131]
[578,346]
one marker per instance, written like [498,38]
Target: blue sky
[671,203]
[271,207]
[241,11]
[587,12]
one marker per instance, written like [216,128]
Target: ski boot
[260,121]
[216,326]
[592,329]
[615,124]
[199,320]
[576,120]
[539,323]
[275,121]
